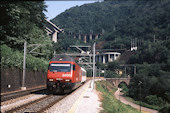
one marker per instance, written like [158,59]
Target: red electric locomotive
[63,75]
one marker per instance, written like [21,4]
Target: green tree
[21,20]
[113,65]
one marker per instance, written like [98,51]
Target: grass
[109,103]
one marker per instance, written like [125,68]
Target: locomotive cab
[60,72]
[63,74]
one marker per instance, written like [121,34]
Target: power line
[49,14]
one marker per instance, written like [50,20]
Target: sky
[54,8]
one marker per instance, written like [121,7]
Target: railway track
[38,105]
[16,94]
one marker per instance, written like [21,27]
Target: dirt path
[119,96]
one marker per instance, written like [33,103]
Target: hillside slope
[118,19]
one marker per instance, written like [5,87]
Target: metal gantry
[85,56]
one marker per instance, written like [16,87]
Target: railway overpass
[114,81]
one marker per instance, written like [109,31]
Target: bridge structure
[106,57]
[52,30]
[116,81]
[85,37]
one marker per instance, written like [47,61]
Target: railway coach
[64,74]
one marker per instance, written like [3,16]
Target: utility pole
[99,72]
[125,71]
[105,76]
[23,87]
[24,66]
[94,47]
[135,42]
[134,70]
[114,28]
[140,93]
[154,38]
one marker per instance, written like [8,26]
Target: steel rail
[57,100]
[27,104]
[50,105]
[15,94]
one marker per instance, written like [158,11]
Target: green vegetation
[154,88]
[153,52]
[14,59]
[165,109]
[120,21]
[148,21]
[109,103]
[65,42]
[24,21]
[153,70]
[143,104]
[111,68]
[153,102]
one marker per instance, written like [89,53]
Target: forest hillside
[119,20]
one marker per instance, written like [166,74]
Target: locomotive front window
[74,67]
[60,67]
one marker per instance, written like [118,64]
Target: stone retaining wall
[11,79]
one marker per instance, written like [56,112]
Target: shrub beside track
[14,59]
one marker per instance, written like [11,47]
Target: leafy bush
[14,59]
[154,100]
[111,74]
[165,109]
[124,88]
[167,96]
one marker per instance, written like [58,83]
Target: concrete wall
[13,77]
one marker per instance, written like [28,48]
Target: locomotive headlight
[67,80]
[50,79]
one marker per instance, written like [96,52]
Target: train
[64,74]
